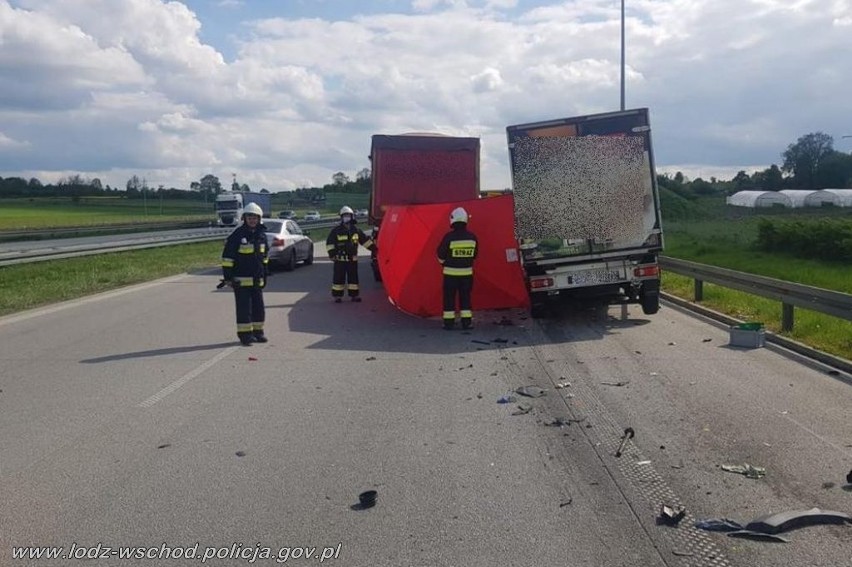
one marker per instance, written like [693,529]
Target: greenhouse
[754,199]
[798,196]
[830,197]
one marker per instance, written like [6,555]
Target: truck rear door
[585,186]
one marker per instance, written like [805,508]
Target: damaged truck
[587,213]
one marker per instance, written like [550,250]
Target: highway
[133,418]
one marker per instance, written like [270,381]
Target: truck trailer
[587,214]
[415,168]
[230,205]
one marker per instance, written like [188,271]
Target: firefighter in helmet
[245,267]
[456,254]
[342,245]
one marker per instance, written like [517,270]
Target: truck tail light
[541,282]
[646,271]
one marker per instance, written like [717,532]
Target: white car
[288,244]
[312,216]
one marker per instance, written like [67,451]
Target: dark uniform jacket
[246,256]
[343,240]
[457,252]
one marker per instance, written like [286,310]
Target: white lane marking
[39,311]
[186,378]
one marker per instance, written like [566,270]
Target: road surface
[133,419]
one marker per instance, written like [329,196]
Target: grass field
[730,244]
[33,214]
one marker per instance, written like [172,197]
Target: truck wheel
[290,264]
[650,302]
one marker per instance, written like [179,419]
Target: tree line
[809,163]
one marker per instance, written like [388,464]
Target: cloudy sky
[286,92]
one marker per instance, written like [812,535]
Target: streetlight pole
[622,54]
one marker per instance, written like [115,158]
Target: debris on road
[682,553]
[750,471]
[827,485]
[758,535]
[783,521]
[718,525]
[643,462]
[531,391]
[164,445]
[561,421]
[849,477]
[366,500]
[523,409]
[240,453]
[628,434]
[252,359]
[370,358]
[500,341]
[477,341]
[706,340]
[671,515]
[566,503]
[507,399]
[616,384]
[672,343]
[561,385]
[505,322]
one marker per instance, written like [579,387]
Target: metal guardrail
[78,231]
[790,294]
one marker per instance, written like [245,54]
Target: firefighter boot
[259,337]
[245,339]
[449,324]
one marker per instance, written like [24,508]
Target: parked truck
[416,168]
[230,205]
[587,212]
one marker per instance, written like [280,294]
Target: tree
[770,179]
[363,175]
[835,171]
[803,158]
[134,184]
[245,188]
[742,181]
[210,183]
[340,178]
[264,190]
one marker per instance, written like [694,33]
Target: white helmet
[346,210]
[458,215]
[253,209]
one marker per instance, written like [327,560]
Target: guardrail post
[786,317]
[699,289]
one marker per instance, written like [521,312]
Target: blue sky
[285,93]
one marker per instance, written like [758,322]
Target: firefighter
[456,254]
[245,269]
[342,245]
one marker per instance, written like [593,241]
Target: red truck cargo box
[411,169]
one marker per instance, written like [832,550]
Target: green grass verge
[34,214]
[27,286]
[730,244]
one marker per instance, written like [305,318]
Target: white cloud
[105,86]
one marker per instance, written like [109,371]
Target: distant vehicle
[287,215]
[312,216]
[288,244]
[361,213]
[230,205]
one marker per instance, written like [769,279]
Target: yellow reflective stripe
[448,271]
[227,263]
[245,282]
[462,244]
[337,287]
[353,286]
[244,327]
[262,248]
[246,249]
[257,326]
[367,244]
[449,314]
[329,247]
[266,260]
[466,314]
[342,237]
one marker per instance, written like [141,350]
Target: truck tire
[650,302]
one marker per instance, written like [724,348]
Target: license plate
[593,277]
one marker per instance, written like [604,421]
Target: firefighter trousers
[345,271]
[251,313]
[461,287]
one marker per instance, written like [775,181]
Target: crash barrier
[790,294]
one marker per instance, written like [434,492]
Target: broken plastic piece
[783,521]
[500,341]
[758,535]
[746,469]
[618,384]
[477,341]
[522,409]
[531,391]
[561,385]
[506,399]
[718,525]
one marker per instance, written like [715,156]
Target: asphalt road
[132,419]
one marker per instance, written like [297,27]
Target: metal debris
[628,434]
[617,384]
[672,515]
[750,471]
